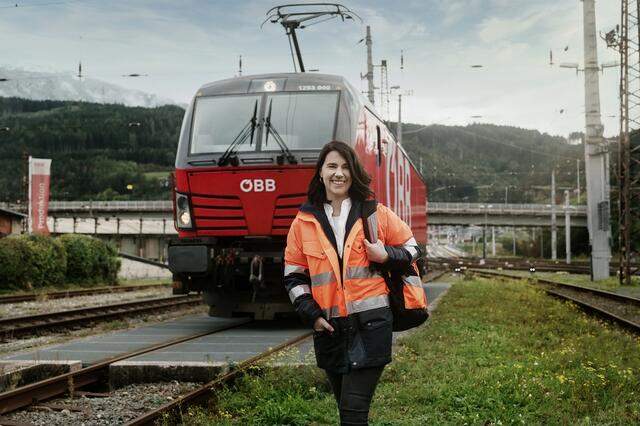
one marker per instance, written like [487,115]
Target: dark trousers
[353,392]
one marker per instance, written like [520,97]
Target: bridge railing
[149,205]
[490,209]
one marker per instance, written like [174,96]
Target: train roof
[287,82]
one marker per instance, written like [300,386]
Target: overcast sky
[181,44]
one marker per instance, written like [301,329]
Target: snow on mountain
[68,87]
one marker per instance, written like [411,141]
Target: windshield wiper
[248,130]
[283,146]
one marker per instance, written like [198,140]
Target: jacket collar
[321,217]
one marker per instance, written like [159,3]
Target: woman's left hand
[376,252]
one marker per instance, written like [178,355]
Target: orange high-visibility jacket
[341,287]
[346,292]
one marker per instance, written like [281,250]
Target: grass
[492,353]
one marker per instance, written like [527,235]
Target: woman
[331,285]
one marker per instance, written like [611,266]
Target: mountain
[494,164]
[99,151]
[64,86]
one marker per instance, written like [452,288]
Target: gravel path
[119,407]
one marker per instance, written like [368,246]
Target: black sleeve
[399,257]
[307,308]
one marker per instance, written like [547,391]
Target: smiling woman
[334,277]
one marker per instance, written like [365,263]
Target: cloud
[184,44]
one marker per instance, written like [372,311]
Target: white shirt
[339,223]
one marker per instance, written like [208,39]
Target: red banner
[39,180]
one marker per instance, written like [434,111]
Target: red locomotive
[247,151]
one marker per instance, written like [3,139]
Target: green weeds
[493,353]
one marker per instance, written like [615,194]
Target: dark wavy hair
[360,179]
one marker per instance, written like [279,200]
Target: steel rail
[516,266]
[58,385]
[209,389]
[519,264]
[14,326]
[619,298]
[15,298]
[633,326]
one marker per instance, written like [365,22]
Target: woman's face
[336,176]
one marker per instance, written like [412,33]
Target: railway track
[206,391]
[514,265]
[70,382]
[624,310]
[521,265]
[24,325]
[74,293]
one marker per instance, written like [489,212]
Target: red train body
[237,189]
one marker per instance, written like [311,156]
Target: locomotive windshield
[219,119]
[304,120]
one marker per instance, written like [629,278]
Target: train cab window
[219,120]
[303,120]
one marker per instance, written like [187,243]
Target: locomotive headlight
[183,212]
[185,218]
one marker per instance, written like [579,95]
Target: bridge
[156,217]
[142,228]
[518,215]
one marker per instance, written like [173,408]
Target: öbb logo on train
[258,185]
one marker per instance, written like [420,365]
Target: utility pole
[596,153]
[578,179]
[369,75]
[493,241]
[384,87]
[554,225]
[567,225]
[399,119]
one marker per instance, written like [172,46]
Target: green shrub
[90,260]
[29,262]
[47,261]
[15,261]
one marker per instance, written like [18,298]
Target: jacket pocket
[375,327]
[329,349]
[313,249]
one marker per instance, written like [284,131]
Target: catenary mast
[596,153]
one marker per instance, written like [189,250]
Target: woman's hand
[322,324]
[376,252]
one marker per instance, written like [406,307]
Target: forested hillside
[99,151]
[486,163]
